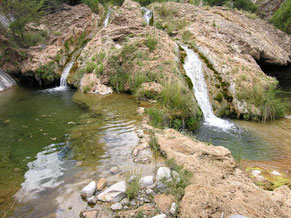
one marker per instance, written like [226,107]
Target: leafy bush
[282,19]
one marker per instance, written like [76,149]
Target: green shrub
[47,73]
[157,117]
[179,183]
[76,78]
[272,106]
[282,18]
[246,5]
[151,42]
[34,38]
[132,185]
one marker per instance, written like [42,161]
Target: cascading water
[106,21]
[5,80]
[193,68]
[147,14]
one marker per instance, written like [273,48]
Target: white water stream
[106,21]
[5,80]
[193,68]
[147,14]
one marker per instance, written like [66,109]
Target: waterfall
[147,14]
[5,80]
[193,68]
[63,81]
[106,21]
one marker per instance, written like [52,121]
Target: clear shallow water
[265,145]
[52,138]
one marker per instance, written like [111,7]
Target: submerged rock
[89,190]
[114,193]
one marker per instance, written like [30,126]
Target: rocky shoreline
[217,186]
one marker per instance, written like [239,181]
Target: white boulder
[114,193]
[163,173]
[146,181]
[89,190]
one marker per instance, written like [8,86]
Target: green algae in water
[29,121]
[109,115]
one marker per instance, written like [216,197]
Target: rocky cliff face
[268,7]
[230,43]
[68,29]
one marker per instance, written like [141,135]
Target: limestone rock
[218,185]
[114,193]
[163,173]
[173,208]
[66,26]
[125,201]
[116,206]
[92,200]
[89,190]
[160,216]
[146,181]
[101,184]
[152,87]
[91,84]
[163,202]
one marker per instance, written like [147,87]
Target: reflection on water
[45,133]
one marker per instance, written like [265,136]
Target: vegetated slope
[230,43]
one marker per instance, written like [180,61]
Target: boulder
[146,181]
[89,190]
[114,193]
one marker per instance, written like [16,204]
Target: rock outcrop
[230,43]
[68,28]
[218,186]
[268,7]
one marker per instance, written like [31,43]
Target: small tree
[22,12]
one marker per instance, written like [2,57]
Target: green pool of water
[47,137]
[29,121]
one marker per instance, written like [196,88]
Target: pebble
[101,184]
[114,170]
[149,191]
